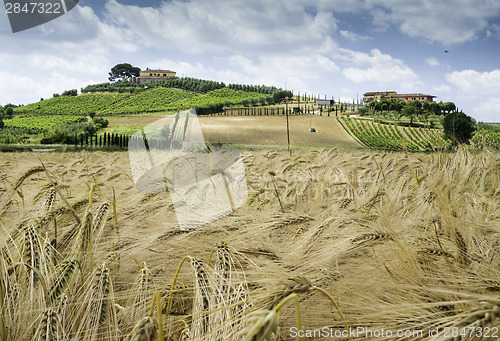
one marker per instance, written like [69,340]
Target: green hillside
[73,105]
[150,100]
[393,137]
[64,118]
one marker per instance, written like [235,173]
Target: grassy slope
[151,100]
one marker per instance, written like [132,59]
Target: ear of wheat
[145,330]
[50,328]
[203,301]
[96,314]
[140,293]
[61,278]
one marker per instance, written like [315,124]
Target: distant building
[377,96]
[412,97]
[148,75]
[325,102]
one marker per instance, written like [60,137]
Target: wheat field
[331,244]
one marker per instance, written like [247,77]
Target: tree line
[398,105]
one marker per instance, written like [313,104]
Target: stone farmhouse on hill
[379,95]
[148,75]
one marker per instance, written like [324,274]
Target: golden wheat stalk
[49,328]
[145,330]
[61,278]
[96,314]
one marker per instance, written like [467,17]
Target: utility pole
[287,126]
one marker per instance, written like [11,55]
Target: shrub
[9,112]
[66,134]
[101,121]
[363,111]
[458,127]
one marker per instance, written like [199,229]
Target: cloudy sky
[337,48]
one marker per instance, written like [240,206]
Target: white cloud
[353,36]
[381,20]
[56,82]
[379,68]
[479,92]
[475,84]
[432,61]
[441,88]
[219,26]
[488,110]
[14,84]
[437,20]
[493,31]
[296,71]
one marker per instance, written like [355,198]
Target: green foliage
[69,105]
[280,95]
[488,127]
[122,86]
[486,138]
[67,134]
[362,111]
[394,138]
[398,105]
[121,71]
[150,100]
[72,92]
[9,112]
[102,122]
[39,124]
[1,124]
[409,110]
[458,127]
[9,136]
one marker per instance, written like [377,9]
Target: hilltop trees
[72,92]
[396,104]
[409,110]
[9,112]
[419,108]
[122,71]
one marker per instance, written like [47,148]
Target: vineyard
[38,124]
[486,139]
[152,100]
[392,137]
[82,105]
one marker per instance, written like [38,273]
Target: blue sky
[336,48]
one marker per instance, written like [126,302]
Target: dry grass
[356,239]
[271,130]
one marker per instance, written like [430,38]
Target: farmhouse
[377,96]
[148,75]
[411,97]
[325,102]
